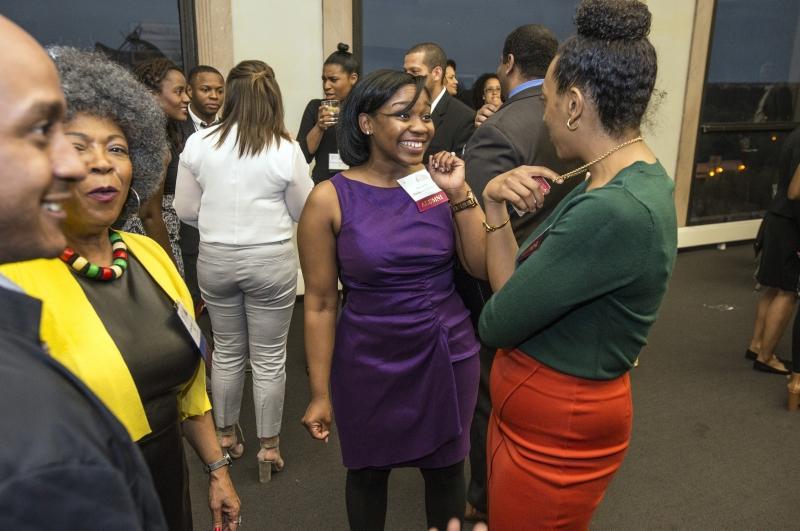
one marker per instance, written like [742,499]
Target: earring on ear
[570,125]
[133,191]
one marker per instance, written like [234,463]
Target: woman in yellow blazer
[115,310]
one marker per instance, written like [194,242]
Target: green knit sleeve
[595,247]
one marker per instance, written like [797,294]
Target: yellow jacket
[76,337]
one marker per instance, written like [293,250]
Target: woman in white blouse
[242,183]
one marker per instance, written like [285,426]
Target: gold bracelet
[469,202]
[492,228]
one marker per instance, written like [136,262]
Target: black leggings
[367,488]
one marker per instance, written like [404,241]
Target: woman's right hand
[325,118]
[317,419]
[484,112]
[523,187]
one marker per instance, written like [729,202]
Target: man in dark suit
[452,120]
[205,88]
[66,462]
[513,135]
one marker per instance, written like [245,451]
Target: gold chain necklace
[561,178]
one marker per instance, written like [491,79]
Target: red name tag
[431,201]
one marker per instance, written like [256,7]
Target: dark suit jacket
[189,241]
[513,136]
[66,462]
[187,126]
[454,123]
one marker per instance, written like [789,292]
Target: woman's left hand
[447,172]
[223,501]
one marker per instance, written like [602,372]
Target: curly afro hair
[96,86]
[612,60]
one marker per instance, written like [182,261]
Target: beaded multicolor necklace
[89,270]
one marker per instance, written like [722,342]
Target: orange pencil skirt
[555,441]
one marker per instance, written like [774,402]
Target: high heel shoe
[269,458]
[793,387]
[230,439]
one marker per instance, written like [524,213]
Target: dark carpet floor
[712,441]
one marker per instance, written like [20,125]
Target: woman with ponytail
[242,183]
[317,134]
[573,305]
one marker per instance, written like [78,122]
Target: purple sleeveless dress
[404,377]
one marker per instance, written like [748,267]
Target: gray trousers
[250,293]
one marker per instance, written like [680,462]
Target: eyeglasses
[490,90]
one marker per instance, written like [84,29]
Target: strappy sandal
[230,439]
[268,464]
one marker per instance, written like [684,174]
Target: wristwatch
[225,461]
[469,202]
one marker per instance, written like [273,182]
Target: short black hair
[343,58]
[533,47]
[367,96]
[612,60]
[202,69]
[433,54]
[452,64]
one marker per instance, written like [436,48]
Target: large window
[470,31]
[750,104]
[127,31]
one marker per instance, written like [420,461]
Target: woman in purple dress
[400,368]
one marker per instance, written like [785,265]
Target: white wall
[671,35]
[288,37]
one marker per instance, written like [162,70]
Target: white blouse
[237,200]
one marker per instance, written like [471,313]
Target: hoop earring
[133,191]
[570,125]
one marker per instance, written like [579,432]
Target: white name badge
[420,186]
[193,328]
[335,162]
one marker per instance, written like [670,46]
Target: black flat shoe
[765,367]
[750,355]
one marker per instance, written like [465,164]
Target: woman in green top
[574,304]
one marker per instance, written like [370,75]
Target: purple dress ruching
[405,370]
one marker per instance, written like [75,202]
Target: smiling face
[399,136]
[37,165]
[450,80]
[491,91]
[98,200]
[206,93]
[336,83]
[173,97]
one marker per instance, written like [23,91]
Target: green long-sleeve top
[583,302]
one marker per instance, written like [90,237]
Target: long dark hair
[368,96]
[254,105]
[152,73]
